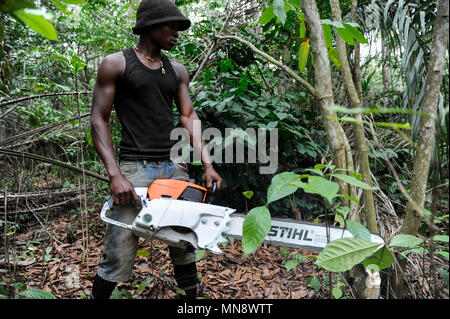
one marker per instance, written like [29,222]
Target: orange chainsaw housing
[177,189]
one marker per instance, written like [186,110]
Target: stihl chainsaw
[177,213]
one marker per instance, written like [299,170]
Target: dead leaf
[266,274]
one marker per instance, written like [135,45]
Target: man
[141,83]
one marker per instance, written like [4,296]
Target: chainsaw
[179,213]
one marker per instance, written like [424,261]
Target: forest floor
[46,260]
[54,258]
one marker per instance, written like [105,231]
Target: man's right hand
[122,191]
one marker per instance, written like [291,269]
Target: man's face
[165,35]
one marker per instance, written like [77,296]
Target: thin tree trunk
[357,55]
[336,137]
[427,121]
[386,70]
[426,135]
[358,127]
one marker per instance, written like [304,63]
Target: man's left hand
[212,176]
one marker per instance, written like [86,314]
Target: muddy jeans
[120,245]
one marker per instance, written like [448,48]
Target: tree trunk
[358,127]
[336,137]
[357,55]
[386,69]
[426,135]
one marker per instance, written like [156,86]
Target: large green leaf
[303,54]
[281,186]
[346,35]
[405,240]
[321,186]
[355,33]
[256,226]
[342,254]
[266,15]
[37,294]
[327,34]
[36,21]
[302,29]
[354,181]
[443,238]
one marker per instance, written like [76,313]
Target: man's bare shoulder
[113,64]
[180,70]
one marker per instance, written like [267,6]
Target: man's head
[154,14]
[164,35]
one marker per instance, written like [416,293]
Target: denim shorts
[119,244]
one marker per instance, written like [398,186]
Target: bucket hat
[152,12]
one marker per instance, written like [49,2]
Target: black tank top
[143,103]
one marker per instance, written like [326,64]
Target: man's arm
[187,118]
[111,68]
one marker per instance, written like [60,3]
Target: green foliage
[37,294]
[405,241]
[337,292]
[303,55]
[36,21]
[321,186]
[314,282]
[236,89]
[293,263]
[257,222]
[382,259]
[256,227]
[281,186]
[342,254]
[199,254]
[248,194]
[145,283]
[27,13]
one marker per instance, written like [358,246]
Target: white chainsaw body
[204,223]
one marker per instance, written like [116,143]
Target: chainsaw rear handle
[108,206]
[210,196]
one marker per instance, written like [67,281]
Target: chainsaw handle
[210,195]
[108,206]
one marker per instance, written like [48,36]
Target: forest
[357,92]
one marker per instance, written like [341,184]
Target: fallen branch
[31,98]
[41,208]
[42,128]
[52,161]
[40,96]
[41,194]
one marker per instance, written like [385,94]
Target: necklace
[163,71]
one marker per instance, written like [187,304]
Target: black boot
[101,288]
[187,278]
